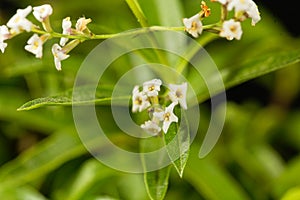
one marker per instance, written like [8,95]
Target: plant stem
[192,51]
[107,36]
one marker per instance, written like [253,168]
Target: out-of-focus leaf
[21,193]
[91,172]
[292,194]
[211,180]
[156,181]
[177,140]
[11,98]
[84,95]
[288,179]
[41,159]
[251,69]
[169,18]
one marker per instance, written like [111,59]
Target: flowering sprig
[70,36]
[161,116]
[19,23]
[227,28]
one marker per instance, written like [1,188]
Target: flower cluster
[227,28]
[70,36]
[148,98]
[19,23]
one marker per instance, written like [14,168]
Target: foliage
[256,157]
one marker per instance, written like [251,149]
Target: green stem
[224,13]
[137,11]
[192,52]
[107,36]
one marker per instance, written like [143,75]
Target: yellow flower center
[167,116]
[233,29]
[194,26]
[35,45]
[151,88]
[138,101]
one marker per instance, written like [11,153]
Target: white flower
[81,24]
[253,13]
[177,94]
[59,55]
[167,116]
[244,9]
[4,35]
[152,87]
[239,5]
[139,100]
[151,127]
[35,46]
[66,26]
[231,29]
[193,25]
[18,22]
[42,12]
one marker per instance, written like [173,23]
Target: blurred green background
[257,156]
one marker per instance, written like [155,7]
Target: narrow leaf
[137,11]
[178,144]
[211,180]
[89,174]
[251,69]
[41,159]
[84,95]
[156,181]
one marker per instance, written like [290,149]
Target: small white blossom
[35,46]
[152,87]
[66,26]
[19,23]
[59,55]
[253,13]
[139,100]
[81,24]
[193,25]
[42,12]
[151,127]
[4,35]
[231,29]
[177,94]
[167,116]
[239,5]
[244,9]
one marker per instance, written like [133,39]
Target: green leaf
[177,140]
[137,11]
[90,173]
[156,181]
[21,193]
[84,95]
[253,68]
[211,180]
[289,178]
[41,159]
[292,194]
